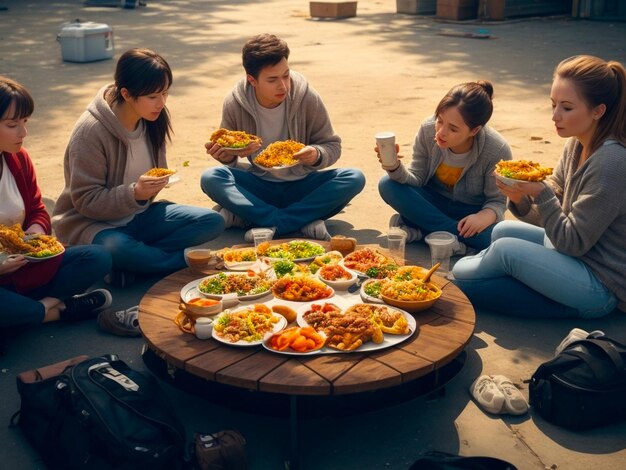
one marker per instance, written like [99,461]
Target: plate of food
[158,173]
[298,251]
[34,247]
[411,295]
[240,259]
[511,172]
[370,291]
[328,258]
[359,327]
[361,260]
[278,157]
[301,288]
[246,286]
[296,341]
[235,140]
[336,276]
[247,326]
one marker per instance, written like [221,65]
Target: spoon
[426,278]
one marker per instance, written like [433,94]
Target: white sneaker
[230,219]
[413,234]
[514,401]
[487,394]
[574,335]
[248,237]
[316,230]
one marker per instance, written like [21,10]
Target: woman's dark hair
[261,51]
[143,72]
[472,99]
[599,82]
[12,92]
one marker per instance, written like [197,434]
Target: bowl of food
[199,307]
[411,296]
[336,276]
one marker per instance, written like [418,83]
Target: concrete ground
[378,71]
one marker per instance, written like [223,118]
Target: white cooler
[86,42]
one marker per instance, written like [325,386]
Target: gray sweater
[308,122]
[583,211]
[94,166]
[477,185]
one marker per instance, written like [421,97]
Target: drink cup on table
[441,247]
[396,244]
[197,259]
[261,235]
[386,142]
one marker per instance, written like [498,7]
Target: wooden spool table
[444,331]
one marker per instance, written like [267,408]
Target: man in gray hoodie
[277,104]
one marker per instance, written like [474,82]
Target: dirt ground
[377,71]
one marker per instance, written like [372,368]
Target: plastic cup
[396,244]
[441,247]
[197,259]
[261,235]
[203,327]
[386,142]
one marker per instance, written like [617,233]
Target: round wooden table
[444,331]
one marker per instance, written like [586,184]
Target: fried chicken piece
[233,139]
[159,172]
[524,170]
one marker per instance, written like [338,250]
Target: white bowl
[339,284]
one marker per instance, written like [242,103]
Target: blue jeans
[429,211]
[520,274]
[155,240]
[287,205]
[81,267]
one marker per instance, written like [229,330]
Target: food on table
[334,272]
[14,241]
[242,284]
[249,324]
[380,272]
[300,339]
[289,313]
[332,257]
[345,331]
[283,267]
[373,287]
[343,244]
[411,290]
[201,302]
[390,321]
[293,250]
[366,258]
[279,154]
[233,139]
[239,255]
[301,288]
[523,170]
[159,172]
[406,273]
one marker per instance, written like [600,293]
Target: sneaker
[120,323]
[82,305]
[316,230]
[118,278]
[230,219]
[248,237]
[487,394]
[514,401]
[413,234]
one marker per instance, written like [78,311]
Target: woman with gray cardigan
[108,200]
[449,185]
[567,255]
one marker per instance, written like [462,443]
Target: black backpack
[584,386]
[98,413]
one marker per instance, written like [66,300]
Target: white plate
[35,259]
[276,170]
[389,341]
[511,181]
[279,325]
[239,265]
[298,260]
[289,351]
[173,180]
[368,298]
[190,290]
[339,284]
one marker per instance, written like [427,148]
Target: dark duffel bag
[583,386]
[98,413]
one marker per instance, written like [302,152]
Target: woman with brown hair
[449,185]
[567,257]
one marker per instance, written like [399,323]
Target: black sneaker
[120,323]
[80,306]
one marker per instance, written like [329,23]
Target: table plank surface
[443,332]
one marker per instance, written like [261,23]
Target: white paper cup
[261,235]
[203,327]
[386,142]
[441,247]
